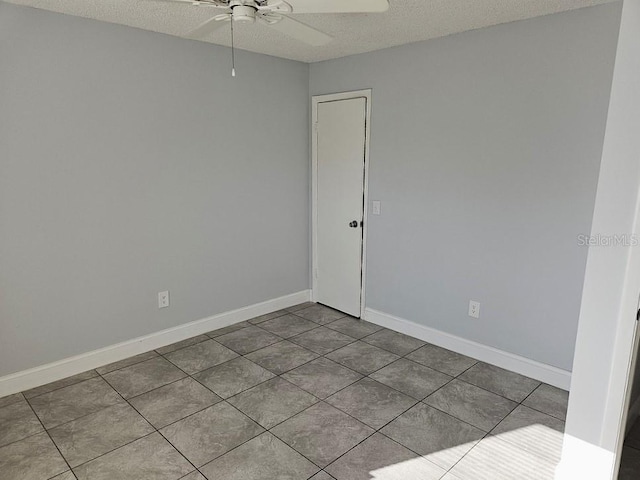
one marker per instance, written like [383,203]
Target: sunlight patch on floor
[414,468]
[527,453]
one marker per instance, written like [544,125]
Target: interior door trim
[315,101]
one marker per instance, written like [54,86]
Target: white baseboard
[524,366]
[34,377]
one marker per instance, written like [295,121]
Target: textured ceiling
[406,21]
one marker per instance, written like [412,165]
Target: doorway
[340,148]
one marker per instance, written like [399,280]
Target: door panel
[340,182]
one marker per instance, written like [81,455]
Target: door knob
[353,224]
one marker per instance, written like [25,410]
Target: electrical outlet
[474,309]
[163,299]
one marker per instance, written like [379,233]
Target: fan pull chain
[233,56]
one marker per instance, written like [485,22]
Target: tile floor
[302,393]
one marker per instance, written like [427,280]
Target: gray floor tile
[264,457]
[300,306]
[173,402]
[126,362]
[104,438]
[441,359]
[362,357]
[320,314]
[194,476]
[322,433]
[534,432]
[281,357]
[629,464]
[322,340]
[184,343]
[233,377]
[33,458]
[471,404]
[18,421]
[394,342]
[248,339]
[267,316]
[353,327]
[493,459]
[143,377]
[383,459]
[288,325]
[322,475]
[65,382]
[498,380]
[439,437]
[322,377]
[549,400]
[411,378]
[65,476]
[210,433]
[93,435]
[372,403]
[272,402]
[231,328]
[10,399]
[68,403]
[150,457]
[200,356]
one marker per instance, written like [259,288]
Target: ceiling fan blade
[338,6]
[205,28]
[301,32]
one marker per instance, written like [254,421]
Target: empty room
[319,239]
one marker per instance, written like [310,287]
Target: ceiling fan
[275,14]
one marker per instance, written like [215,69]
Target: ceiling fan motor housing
[244,13]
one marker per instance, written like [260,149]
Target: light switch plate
[375,207]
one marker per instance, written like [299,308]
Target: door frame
[315,101]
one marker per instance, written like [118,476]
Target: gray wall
[130,163]
[485,149]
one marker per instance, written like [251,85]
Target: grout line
[50,438]
[242,391]
[206,339]
[117,448]
[84,415]
[156,354]
[322,401]
[264,430]
[155,388]
[59,388]
[154,430]
[24,438]
[467,453]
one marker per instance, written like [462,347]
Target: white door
[340,157]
